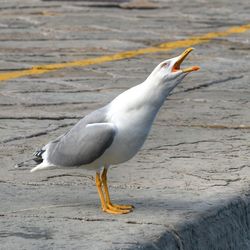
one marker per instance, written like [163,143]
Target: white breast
[131,134]
[132,115]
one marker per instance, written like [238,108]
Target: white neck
[148,95]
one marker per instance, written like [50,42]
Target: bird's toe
[116,211]
[129,207]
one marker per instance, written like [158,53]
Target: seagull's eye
[165,65]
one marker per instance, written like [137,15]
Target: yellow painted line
[41,69]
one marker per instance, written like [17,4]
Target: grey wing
[83,144]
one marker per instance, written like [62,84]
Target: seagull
[114,133]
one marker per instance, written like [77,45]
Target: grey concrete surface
[189,183]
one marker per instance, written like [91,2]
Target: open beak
[181,58]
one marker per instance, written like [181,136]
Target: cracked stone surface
[190,181]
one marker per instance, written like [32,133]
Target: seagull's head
[169,72]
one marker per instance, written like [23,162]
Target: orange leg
[105,208]
[127,208]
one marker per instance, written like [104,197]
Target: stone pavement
[189,183]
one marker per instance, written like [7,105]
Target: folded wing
[82,145]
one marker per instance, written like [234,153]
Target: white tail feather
[41,166]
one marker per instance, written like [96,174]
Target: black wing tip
[25,163]
[19,165]
[39,153]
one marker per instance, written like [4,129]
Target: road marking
[41,69]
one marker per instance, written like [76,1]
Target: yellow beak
[182,57]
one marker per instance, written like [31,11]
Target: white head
[168,73]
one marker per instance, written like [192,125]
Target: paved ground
[189,183]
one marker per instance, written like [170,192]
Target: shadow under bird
[115,133]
